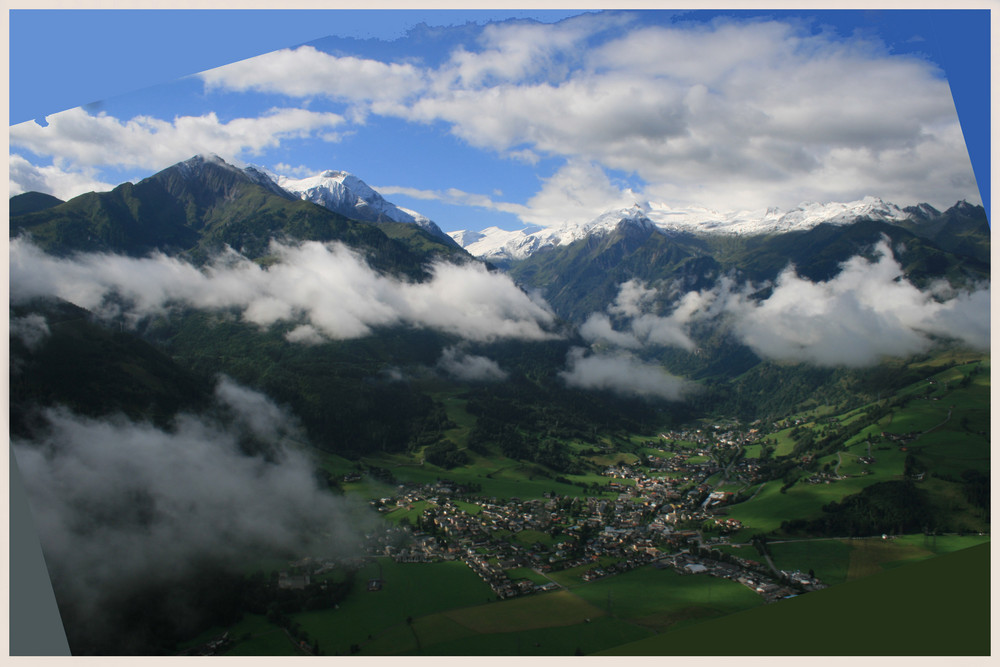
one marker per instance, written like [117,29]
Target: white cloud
[307,72]
[326,289]
[120,505]
[26,177]
[468,367]
[598,328]
[729,115]
[455,197]
[577,192]
[32,330]
[633,306]
[77,140]
[866,312]
[622,374]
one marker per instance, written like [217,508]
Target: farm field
[897,602]
[835,561]
[660,598]
[409,590]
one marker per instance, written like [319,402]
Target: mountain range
[504,246]
[196,209]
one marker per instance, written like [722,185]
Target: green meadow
[409,590]
[656,599]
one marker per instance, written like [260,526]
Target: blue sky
[474,120]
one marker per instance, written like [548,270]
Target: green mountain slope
[198,207]
[93,369]
[583,277]
[30,202]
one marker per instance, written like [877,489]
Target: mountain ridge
[199,206]
[503,246]
[345,193]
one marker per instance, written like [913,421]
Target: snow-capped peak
[500,245]
[345,193]
[194,166]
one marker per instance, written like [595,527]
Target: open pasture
[558,608]
[827,558]
[658,598]
[580,639]
[409,590]
[870,556]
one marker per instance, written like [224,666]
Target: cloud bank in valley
[327,289]
[622,373]
[121,504]
[864,313]
[470,367]
[31,330]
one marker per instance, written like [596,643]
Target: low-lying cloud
[120,504]
[622,374]
[469,367]
[866,312]
[328,290]
[32,330]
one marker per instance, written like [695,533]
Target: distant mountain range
[503,246]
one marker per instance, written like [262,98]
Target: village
[656,513]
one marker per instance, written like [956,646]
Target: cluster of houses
[653,515]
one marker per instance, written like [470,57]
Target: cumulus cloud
[728,114]
[634,307]
[469,367]
[26,177]
[308,72]
[121,504]
[78,141]
[326,289]
[623,374]
[866,312]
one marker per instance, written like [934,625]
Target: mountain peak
[345,193]
[195,165]
[965,208]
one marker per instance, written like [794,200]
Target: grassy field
[656,599]
[828,559]
[534,611]
[770,507]
[837,561]
[868,556]
[937,607]
[410,590]
[579,639]
[469,508]
[953,437]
